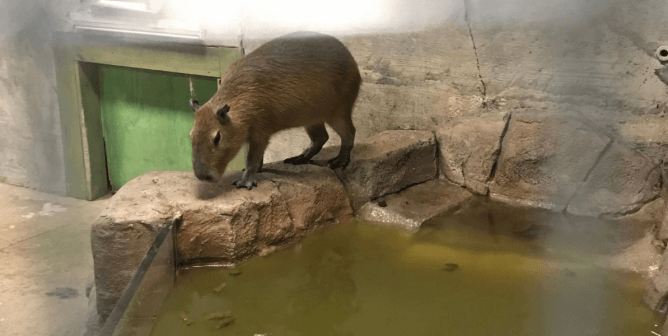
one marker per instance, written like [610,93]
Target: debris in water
[569,273]
[219,288]
[382,204]
[449,267]
[235,273]
[184,317]
[226,323]
[218,316]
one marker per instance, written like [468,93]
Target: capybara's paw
[337,163]
[248,183]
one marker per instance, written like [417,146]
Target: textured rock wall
[31,149]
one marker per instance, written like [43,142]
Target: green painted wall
[146,120]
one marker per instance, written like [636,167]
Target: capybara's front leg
[254,159]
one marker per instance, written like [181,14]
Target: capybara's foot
[247,183]
[298,160]
[338,162]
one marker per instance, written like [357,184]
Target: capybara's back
[297,80]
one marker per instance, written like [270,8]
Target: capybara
[298,80]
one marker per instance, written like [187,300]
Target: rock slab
[469,148]
[215,222]
[386,163]
[622,181]
[544,159]
[121,236]
[412,207]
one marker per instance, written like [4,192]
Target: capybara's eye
[216,139]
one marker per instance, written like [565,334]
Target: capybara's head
[215,140]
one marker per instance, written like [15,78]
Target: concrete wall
[31,152]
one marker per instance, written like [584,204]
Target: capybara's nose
[203,177]
[201,173]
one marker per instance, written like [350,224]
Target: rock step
[412,207]
[220,223]
[386,163]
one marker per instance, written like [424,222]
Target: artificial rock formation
[215,222]
[220,223]
[386,163]
[622,182]
[544,159]
[412,207]
[469,149]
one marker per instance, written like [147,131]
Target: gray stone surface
[227,224]
[94,323]
[544,158]
[469,148]
[647,134]
[656,290]
[386,163]
[31,145]
[412,207]
[122,234]
[572,50]
[631,228]
[45,260]
[662,233]
[641,257]
[622,181]
[215,222]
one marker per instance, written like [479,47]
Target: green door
[146,120]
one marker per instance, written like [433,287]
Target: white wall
[267,18]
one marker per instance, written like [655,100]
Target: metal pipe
[662,53]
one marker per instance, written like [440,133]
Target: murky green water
[485,270]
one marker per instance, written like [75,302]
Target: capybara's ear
[221,114]
[194,104]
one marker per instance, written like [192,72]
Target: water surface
[486,269]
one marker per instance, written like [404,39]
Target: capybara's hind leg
[318,135]
[345,129]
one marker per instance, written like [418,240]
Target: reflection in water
[483,270]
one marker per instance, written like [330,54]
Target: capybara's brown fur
[297,80]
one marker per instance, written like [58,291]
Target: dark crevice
[662,74]
[598,160]
[649,175]
[662,305]
[642,203]
[283,198]
[613,215]
[475,50]
[497,153]
[438,159]
[110,187]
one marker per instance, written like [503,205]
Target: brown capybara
[297,80]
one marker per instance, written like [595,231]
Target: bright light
[269,18]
